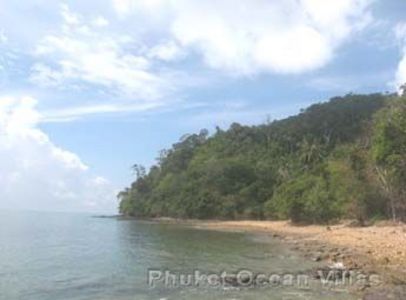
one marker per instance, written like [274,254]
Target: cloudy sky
[88,88]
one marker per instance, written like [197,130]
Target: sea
[61,256]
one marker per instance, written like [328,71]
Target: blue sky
[88,88]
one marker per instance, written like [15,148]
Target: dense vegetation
[345,158]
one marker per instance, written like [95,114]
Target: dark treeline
[342,159]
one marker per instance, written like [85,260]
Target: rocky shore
[379,249]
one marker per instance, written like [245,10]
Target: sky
[89,88]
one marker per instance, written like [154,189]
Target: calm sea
[75,256]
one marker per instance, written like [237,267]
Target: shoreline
[376,249]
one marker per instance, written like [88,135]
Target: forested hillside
[344,158]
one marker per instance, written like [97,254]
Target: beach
[379,248]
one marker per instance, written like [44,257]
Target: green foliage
[304,199]
[314,167]
[389,154]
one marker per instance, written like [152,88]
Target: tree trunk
[383,174]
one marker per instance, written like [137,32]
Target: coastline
[377,249]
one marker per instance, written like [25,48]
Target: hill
[345,158]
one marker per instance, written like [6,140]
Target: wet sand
[380,248]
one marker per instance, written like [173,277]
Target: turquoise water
[72,256]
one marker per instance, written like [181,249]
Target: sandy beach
[382,244]
[380,248]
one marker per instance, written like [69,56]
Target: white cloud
[3,37]
[3,40]
[246,37]
[122,6]
[37,174]
[400,31]
[82,53]
[167,51]
[125,7]
[73,113]
[100,22]
[69,17]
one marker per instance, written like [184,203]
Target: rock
[317,258]
[364,287]
[385,260]
[244,281]
[387,293]
[334,272]
[338,265]
[231,280]
[234,281]
[330,274]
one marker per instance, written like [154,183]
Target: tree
[311,167]
[389,154]
[139,171]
